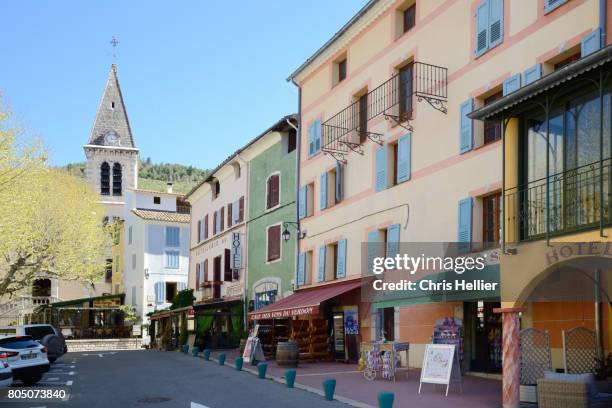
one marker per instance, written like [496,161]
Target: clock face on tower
[111,138]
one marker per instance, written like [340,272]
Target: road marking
[195,405]
[52,379]
[69,383]
[99,354]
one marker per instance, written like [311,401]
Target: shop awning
[305,302]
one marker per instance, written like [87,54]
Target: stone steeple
[112,127]
[112,157]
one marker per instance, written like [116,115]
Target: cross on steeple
[114,42]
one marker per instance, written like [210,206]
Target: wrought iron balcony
[348,129]
[571,201]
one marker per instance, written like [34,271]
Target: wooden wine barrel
[287,353]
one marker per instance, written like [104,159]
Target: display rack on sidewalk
[382,358]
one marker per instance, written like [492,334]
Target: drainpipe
[298,144]
[603,11]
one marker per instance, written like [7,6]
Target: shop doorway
[483,336]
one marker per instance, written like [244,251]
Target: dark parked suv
[46,334]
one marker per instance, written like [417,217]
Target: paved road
[161,380]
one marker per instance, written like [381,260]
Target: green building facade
[271,260]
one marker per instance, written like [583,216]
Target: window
[216,189]
[133,261]
[113,105]
[227,270]
[332,186]
[409,17]
[274,243]
[265,294]
[38,332]
[173,236]
[491,220]
[130,235]
[117,179]
[492,130]
[406,91]
[156,200]
[105,179]
[273,191]
[314,137]
[291,140]
[363,117]
[218,218]
[304,275]
[342,70]
[172,259]
[550,5]
[306,201]
[108,276]
[171,290]
[489,25]
[566,61]
[199,231]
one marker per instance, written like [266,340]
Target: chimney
[168,187]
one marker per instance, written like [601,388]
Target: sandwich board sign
[439,365]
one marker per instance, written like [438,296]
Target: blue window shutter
[496,22]
[466,126]
[590,43]
[162,291]
[182,286]
[381,168]
[373,248]
[311,141]
[321,269]
[512,84]
[482,28]
[464,227]
[339,181]
[323,190]
[302,203]
[301,272]
[341,261]
[550,5]
[157,294]
[393,239]
[532,74]
[404,147]
[317,130]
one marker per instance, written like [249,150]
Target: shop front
[219,325]
[169,329]
[323,321]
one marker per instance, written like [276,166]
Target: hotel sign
[564,251]
[236,253]
[284,314]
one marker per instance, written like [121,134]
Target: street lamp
[287,234]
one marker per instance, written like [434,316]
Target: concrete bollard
[185,348]
[290,377]
[385,399]
[329,386]
[195,351]
[206,354]
[261,368]
[238,362]
[222,359]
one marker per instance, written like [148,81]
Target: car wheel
[33,379]
[52,359]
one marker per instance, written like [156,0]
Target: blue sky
[199,78]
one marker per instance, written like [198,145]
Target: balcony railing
[348,129]
[577,199]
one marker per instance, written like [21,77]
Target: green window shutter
[532,74]
[496,22]
[590,43]
[373,248]
[302,204]
[393,240]
[339,181]
[323,190]
[482,28]
[466,126]
[464,225]
[403,157]
[341,261]
[321,269]
[512,84]
[381,168]
[301,269]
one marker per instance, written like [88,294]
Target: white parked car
[45,334]
[26,357]
[6,375]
